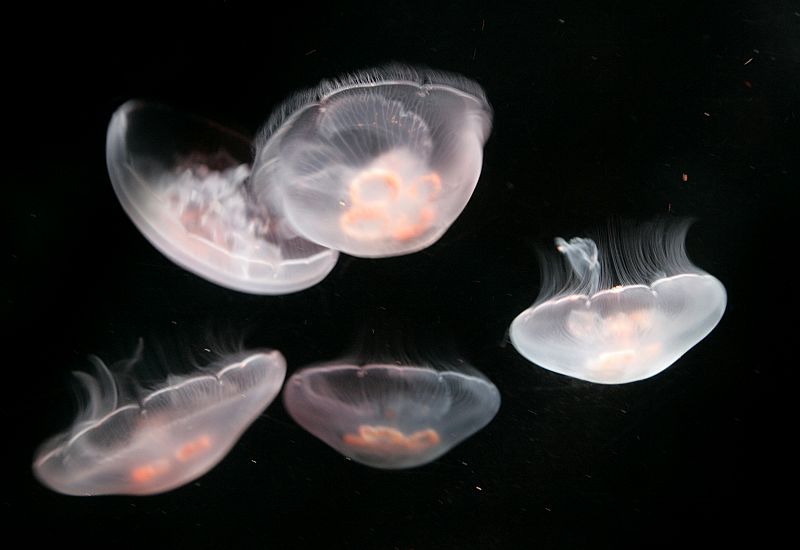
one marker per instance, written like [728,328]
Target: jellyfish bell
[164,438]
[378,163]
[626,310]
[183,180]
[390,416]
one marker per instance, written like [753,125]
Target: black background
[600,108]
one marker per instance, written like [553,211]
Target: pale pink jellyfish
[165,437]
[185,183]
[377,163]
[621,313]
[390,416]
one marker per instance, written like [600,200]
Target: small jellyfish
[390,416]
[184,181]
[374,164]
[166,438]
[626,312]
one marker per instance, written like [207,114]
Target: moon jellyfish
[185,183]
[627,311]
[390,416]
[167,437]
[378,163]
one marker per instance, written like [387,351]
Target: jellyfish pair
[149,441]
[622,312]
[379,163]
[390,416]
[158,439]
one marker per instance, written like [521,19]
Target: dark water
[600,111]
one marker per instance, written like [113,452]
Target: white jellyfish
[390,416]
[162,438]
[184,181]
[624,311]
[378,163]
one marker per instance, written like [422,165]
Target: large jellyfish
[623,312]
[390,416]
[163,439]
[185,183]
[378,163]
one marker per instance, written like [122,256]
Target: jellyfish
[390,416]
[185,183]
[624,311]
[164,438]
[378,163]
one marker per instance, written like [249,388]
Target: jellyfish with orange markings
[166,437]
[184,181]
[390,416]
[377,163]
[622,311]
